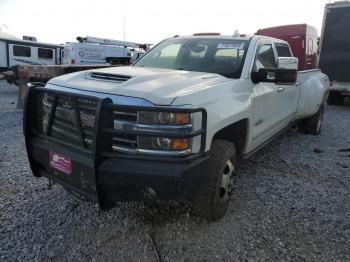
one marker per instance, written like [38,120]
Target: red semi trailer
[302,39]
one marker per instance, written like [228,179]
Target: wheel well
[235,133]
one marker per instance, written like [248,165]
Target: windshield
[222,56]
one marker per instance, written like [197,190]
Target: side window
[265,58]
[283,51]
[45,53]
[19,50]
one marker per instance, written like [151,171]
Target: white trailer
[334,57]
[94,50]
[15,51]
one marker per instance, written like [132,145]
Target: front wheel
[211,199]
[313,124]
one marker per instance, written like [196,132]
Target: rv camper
[15,51]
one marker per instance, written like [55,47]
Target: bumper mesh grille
[69,116]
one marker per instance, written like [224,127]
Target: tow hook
[150,193]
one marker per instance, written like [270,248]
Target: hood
[159,86]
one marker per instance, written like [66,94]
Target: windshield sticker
[239,46]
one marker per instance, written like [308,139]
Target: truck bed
[311,91]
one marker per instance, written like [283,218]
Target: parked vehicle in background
[90,52]
[302,38]
[15,51]
[174,124]
[335,50]
[93,50]
[41,74]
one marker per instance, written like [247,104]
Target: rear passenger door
[288,95]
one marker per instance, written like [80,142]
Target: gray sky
[151,21]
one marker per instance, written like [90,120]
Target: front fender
[225,103]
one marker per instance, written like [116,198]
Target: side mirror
[278,76]
[286,76]
[260,76]
[288,63]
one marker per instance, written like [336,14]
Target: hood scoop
[108,77]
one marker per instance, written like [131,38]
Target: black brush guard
[81,127]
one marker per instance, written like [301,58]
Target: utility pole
[124,25]
[124,35]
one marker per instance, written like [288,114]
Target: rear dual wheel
[313,124]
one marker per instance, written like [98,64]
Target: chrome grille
[124,120]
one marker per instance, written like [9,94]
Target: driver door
[266,115]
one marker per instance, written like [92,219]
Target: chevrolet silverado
[172,125]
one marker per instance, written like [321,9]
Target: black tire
[335,98]
[313,124]
[210,201]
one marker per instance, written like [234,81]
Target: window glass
[222,56]
[265,58]
[166,57]
[169,51]
[199,52]
[19,50]
[283,51]
[45,53]
[226,52]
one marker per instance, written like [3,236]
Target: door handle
[280,89]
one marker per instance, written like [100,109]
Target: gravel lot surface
[292,202]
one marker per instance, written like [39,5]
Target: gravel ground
[292,202]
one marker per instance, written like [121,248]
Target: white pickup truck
[172,125]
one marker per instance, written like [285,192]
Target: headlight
[163,118]
[165,133]
[168,122]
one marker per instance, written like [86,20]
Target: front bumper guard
[104,176]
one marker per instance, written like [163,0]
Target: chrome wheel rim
[227,180]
